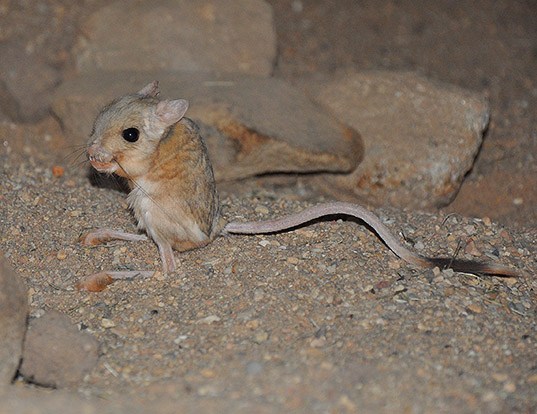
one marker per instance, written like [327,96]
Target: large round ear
[150,90]
[170,112]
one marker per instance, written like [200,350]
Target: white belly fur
[160,224]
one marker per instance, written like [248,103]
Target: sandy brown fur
[181,166]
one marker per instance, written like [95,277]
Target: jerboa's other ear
[150,90]
[170,112]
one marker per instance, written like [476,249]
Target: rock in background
[420,137]
[13,313]
[225,35]
[35,43]
[252,125]
[56,353]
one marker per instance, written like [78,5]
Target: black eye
[131,134]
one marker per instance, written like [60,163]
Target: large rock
[224,35]
[26,400]
[13,313]
[252,125]
[26,83]
[56,353]
[420,137]
[34,400]
[42,142]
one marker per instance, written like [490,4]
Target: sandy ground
[325,318]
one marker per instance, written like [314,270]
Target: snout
[101,159]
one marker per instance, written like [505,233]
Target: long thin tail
[359,212]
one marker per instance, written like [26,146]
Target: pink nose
[98,153]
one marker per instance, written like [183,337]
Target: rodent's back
[187,156]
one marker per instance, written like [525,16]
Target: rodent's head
[128,130]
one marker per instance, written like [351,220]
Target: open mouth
[107,167]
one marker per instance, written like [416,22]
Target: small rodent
[173,194]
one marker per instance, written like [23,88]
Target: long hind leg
[166,256]
[100,236]
[98,281]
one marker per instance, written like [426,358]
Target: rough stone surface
[13,312]
[9,106]
[35,43]
[252,125]
[420,137]
[35,141]
[4,117]
[32,401]
[56,353]
[229,35]
[25,90]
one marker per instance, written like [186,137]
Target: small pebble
[475,308]
[382,284]
[472,249]
[422,327]
[346,403]
[472,281]
[380,321]
[253,324]
[500,377]
[419,245]
[394,264]
[209,319]
[57,171]
[489,396]
[206,390]
[158,275]
[107,323]
[261,337]
[438,279]
[293,260]
[505,235]
[259,294]
[517,308]
[448,273]
[179,339]
[208,373]
[509,387]
[367,288]
[470,229]
[532,379]
[318,342]
[261,210]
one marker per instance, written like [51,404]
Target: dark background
[486,46]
